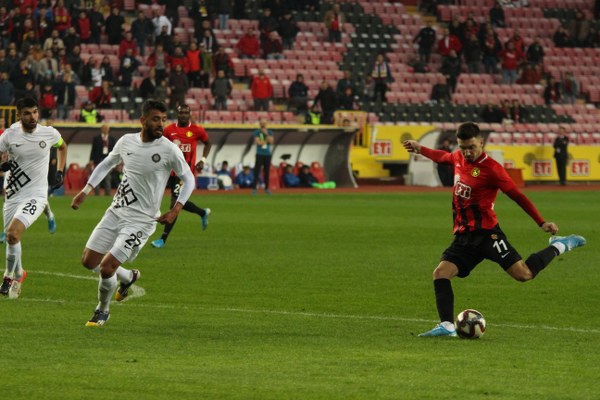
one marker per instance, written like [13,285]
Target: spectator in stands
[54,38]
[535,52]
[472,54]
[561,154]
[7,90]
[165,40]
[426,38]
[129,65]
[510,61]
[101,95]
[192,56]
[48,67]
[490,50]
[47,101]
[530,74]
[440,92]
[5,28]
[368,93]
[244,179]
[248,45]
[456,28]
[289,178]
[89,114]
[263,139]
[142,30]
[206,66]
[262,91]
[224,170]
[178,58]
[159,60]
[113,26]
[222,62]
[288,30]
[102,145]
[272,48]
[21,76]
[327,100]
[561,37]
[65,93]
[202,10]
[298,95]
[451,67]
[266,24]
[580,29]
[62,17]
[552,92]
[569,88]
[159,21]
[224,9]
[344,82]
[448,43]
[96,22]
[179,85]
[210,40]
[172,10]
[127,43]
[382,75]
[492,114]
[334,21]
[28,91]
[148,84]
[92,74]
[71,39]
[307,179]
[5,64]
[348,100]
[497,15]
[83,27]
[161,91]
[221,89]
[107,70]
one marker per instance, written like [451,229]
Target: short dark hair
[26,102]
[151,104]
[468,130]
[184,107]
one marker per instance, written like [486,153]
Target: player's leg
[189,206]
[50,218]
[267,172]
[256,172]
[444,299]
[175,186]
[107,285]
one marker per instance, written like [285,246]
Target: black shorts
[470,248]
[174,184]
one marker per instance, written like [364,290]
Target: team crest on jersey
[189,134]
[156,157]
[43,144]
[475,172]
[494,236]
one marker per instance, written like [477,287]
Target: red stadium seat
[317,170]
[75,178]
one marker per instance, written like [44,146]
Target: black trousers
[561,168]
[261,162]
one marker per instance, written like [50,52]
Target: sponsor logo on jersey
[156,157]
[462,190]
[475,172]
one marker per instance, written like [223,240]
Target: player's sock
[560,247]
[106,290]
[124,275]
[538,261]
[48,212]
[444,299]
[191,207]
[167,231]
[13,259]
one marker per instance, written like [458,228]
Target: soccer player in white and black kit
[28,146]
[148,159]
[477,234]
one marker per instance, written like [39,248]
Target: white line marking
[138,291]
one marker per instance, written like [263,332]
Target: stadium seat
[76,177]
[317,170]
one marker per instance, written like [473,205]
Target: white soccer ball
[470,324]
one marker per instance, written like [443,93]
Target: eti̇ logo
[462,190]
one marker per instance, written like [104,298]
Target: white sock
[560,247]
[95,270]
[125,275]
[448,325]
[13,260]
[106,290]
[48,212]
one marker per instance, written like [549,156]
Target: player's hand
[58,180]
[77,200]
[550,227]
[167,218]
[412,146]
[199,166]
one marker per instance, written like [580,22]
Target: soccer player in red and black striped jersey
[185,135]
[477,235]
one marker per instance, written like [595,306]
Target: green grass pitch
[306,296]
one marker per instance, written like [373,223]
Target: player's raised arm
[412,146]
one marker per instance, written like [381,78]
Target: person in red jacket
[510,63]
[262,91]
[194,66]
[448,43]
[62,18]
[248,46]
[128,43]
[84,27]
[178,58]
[100,95]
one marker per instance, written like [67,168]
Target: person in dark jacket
[101,146]
[327,99]
[561,154]
[298,95]
[426,38]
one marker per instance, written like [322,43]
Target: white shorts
[26,212]
[120,237]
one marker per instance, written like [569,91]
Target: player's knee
[12,236]
[523,275]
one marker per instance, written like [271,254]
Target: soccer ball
[470,324]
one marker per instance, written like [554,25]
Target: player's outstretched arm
[549,227]
[412,146]
[80,197]
[169,216]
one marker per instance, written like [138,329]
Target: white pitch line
[137,291]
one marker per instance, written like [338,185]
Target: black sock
[538,261]
[167,231]
[444,299]
[191,207]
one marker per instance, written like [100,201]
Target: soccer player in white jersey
[148,159]
[28,145]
